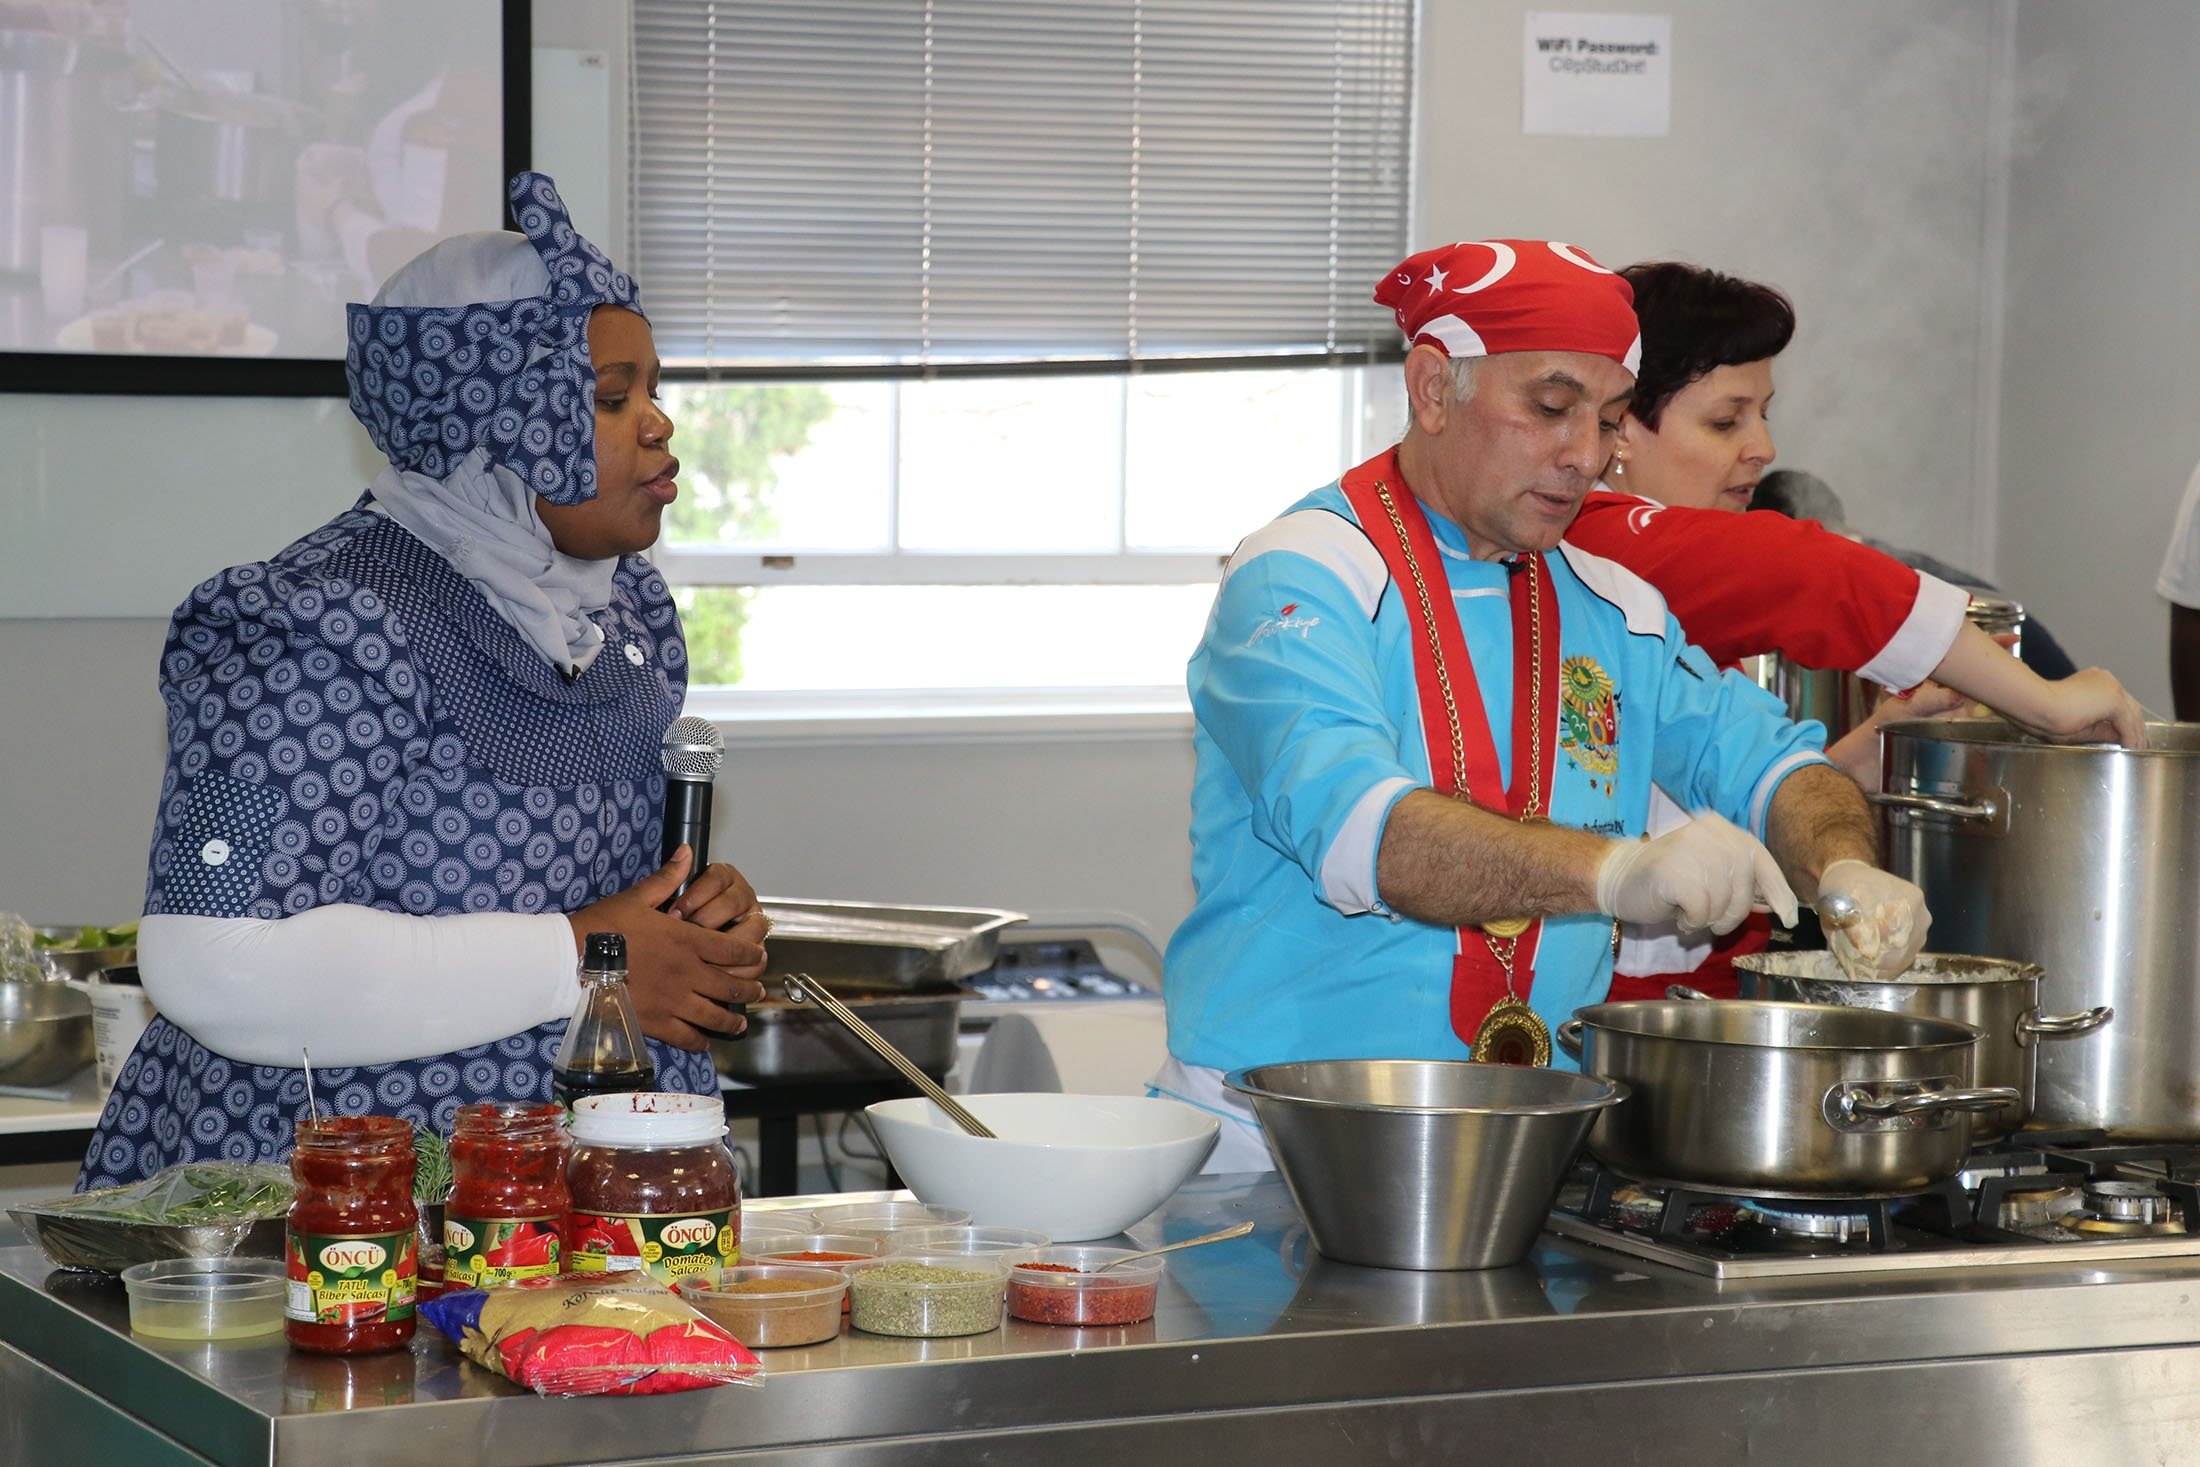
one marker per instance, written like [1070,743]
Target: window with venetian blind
[993,323]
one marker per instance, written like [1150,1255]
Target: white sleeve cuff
[1921,643]
[1760,799]
[356,985]
[1348,866]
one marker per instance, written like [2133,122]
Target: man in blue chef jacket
[1428,728]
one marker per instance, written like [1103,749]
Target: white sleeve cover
[356,985]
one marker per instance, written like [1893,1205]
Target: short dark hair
[1694,320]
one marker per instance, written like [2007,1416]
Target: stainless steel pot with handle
[2084,859]
[1996,996]
[1790,1099]
[1842,700]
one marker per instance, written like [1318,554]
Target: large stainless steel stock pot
[1998,997]
[1792,1099]
[2084,859]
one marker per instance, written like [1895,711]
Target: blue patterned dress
[351,722]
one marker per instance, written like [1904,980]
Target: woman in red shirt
[1691,449]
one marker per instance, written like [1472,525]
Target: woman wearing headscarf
[1694,442]
[414,758]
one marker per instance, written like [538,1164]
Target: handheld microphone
[692,752]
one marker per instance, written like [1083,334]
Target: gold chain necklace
[1502,934]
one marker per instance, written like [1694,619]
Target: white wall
[2101,379]
[1844,152]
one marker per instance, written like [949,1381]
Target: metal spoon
[1839,910]
[801,986]
[1236,1230]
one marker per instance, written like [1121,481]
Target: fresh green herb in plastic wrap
[431,1165]
[192,1192]
[18,951]
[197,1209]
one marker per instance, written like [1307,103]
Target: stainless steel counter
[1259,1352]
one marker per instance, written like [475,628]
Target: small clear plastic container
[206,1298]
[927,1295]
[818,1250]
[763,1230]
[886,1217]
[771,1305]
[1059,1286]
[835,1251]
[776,1219]
[1015,1244]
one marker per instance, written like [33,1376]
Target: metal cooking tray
[74,1234]
[800,1042]
[894,947]
[107,1246]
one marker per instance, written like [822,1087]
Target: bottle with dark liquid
[603,1051]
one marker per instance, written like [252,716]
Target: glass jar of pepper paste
[508,1194]
[653,1186]
[352,1245]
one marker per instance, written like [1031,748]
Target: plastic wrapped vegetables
[619,1334]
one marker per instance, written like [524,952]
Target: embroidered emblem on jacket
[1589,705]
[1283,621]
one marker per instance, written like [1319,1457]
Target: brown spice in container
[768,1286]
[758,1313]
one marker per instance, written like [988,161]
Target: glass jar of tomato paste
[508,1194]
[353,1242]
[653,1186]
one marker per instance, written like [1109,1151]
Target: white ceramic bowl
[1074,1167]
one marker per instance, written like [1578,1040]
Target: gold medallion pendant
[1503,928]
[1511,1033]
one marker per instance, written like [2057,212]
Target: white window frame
[1072,712]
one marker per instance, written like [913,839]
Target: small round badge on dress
[1511,1033]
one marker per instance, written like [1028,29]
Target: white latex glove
[1708,873]
[1889,924]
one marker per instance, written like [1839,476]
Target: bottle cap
[606,950]
[648,1118]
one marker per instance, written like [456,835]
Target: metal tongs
[802,987]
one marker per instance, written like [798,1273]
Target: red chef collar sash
[1466,747]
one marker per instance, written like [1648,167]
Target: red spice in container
[823,1250]
[1061,1286]
[351,1250]
[509,1199]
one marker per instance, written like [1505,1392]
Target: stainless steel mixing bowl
[45,1033]
[1423,1164]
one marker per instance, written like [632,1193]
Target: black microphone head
[693,749]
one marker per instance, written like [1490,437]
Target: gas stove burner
[1789,1222]
[2038,1207]
[2125,1209]
[1980,1167]
[2030,1200]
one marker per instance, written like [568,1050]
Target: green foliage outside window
[730,441]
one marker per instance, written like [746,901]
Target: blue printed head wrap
[481,341]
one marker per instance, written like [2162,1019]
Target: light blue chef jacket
[1309,731]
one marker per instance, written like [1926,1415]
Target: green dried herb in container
[927,1296]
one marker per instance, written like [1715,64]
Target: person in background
[414,758]
[1427,729]
[1804,496]
[1688,458]
[2179,585]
